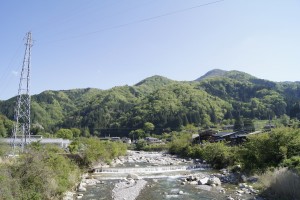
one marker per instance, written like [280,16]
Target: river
[161,176]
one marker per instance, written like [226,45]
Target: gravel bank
[128,190]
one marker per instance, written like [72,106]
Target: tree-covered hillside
[252,97]
[217,97]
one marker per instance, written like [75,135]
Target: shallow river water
[160,184]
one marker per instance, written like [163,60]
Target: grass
[280,184]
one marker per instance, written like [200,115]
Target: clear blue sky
[107,43]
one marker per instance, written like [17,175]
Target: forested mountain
[217,97]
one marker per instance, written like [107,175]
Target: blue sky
[107,43]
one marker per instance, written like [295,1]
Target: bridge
[63,143]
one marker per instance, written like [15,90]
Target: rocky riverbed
[201,183]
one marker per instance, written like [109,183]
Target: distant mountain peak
[154,80]
[212,73]
[233,74]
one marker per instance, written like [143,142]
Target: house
[221,136]
[269,126]
[240,137]
[210,135]
[152,140]
[205,135]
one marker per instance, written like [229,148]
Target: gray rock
[194,183]
[229,198]
[243,178]
[81,189]
[133,176]
[68,196]
[240,192]
[203,181]
[180,192]
[214,180]
[222,191]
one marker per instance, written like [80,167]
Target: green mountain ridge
[217,96]
[233,74]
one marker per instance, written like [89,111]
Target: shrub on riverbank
[280,184]
[93,150]
[271,149]
[219,154]
[180,142]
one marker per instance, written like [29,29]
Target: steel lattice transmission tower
[21,130]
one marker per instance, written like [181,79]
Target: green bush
[219,155]
[292,163]
[179,143]
[270,149]
[94,150]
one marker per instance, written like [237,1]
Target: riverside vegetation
[46,172]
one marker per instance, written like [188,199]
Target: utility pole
[21,129]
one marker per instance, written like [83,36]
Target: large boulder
[193,183]
[203,181]
[180,192]
[214,181]
[81,189]
[133,176]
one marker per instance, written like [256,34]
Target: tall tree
[238,124]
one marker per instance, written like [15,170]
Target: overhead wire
[111,15]
[139,21]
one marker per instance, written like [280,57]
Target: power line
[141,20]
[108,16]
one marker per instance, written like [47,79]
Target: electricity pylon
[21,129]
